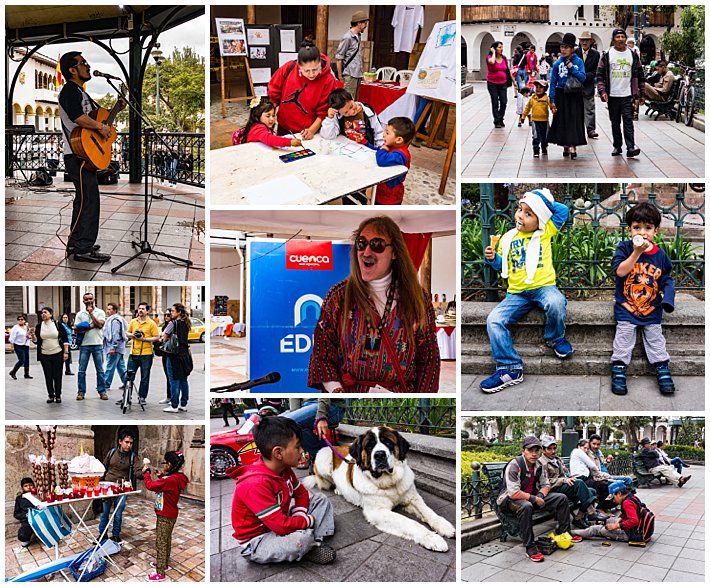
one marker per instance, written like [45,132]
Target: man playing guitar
[75,107]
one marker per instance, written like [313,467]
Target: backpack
[238,136]
[647,519]
[523,474]
[40,178]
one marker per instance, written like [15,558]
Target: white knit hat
[534,199]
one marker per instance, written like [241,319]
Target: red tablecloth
[380,95]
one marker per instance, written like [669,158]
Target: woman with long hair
[167,317]
[66,324]
[300,90]
[498,79]
[52,351]
[377,329]
[179,364]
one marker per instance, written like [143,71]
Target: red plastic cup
[104,490]
[59,496]
[50,498]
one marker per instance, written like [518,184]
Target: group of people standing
[616,75]
[102,338]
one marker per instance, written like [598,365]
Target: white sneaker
[182,408]
[171,410]
[164,401]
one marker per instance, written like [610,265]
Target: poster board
[435,75]
[269,46]
[232,37]
[287,282]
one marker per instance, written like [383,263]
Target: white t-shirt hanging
[620,72]
[406,21]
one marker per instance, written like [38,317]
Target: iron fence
[179,159]
[700,90]
[421,415]
[583,248]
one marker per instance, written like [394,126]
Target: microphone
[97,73]
[270,378]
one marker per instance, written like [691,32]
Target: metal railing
[184,163]
[419,415]
[583,248]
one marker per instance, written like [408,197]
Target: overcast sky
[191,34]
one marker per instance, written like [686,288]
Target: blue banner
[287,281]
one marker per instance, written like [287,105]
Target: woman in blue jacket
[567,128]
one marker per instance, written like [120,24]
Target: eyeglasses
[377,244]
[82,63]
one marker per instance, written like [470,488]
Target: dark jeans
[523,510]
[622,110]
[539,135]
[499,101]
[86,208]
[52,369]
[584,494]
[602,488]
[23,357]
[226,410]
[144,363]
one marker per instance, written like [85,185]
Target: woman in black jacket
[52,351]
[179,363]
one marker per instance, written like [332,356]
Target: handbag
[170,346]
[508,75]
[572,85]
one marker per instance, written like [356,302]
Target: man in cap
[590,56]
[348,56]
[656,465]
[620,81]
[561,482]
[525,490]
[659,90]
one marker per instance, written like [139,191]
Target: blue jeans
[628,481]
[96,352]
[179,388]
[119,504]
[305,417]
[678,463]
[171,168]
[115,361]
[513,307]
[521,78]
[144,363]
[23,357]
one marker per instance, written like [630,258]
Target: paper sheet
[260,75]
[288,40]
[258,37]
[284,190]
[286,57]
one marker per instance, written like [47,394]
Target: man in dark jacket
[590,56]
[655,464]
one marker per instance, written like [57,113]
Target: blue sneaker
[563,348]
[664,379]
[618,379]
[501,379]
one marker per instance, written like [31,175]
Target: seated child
[521,102]
[644,289]
[22,507]
[260,126]
[266,526]
[355,120]
[395,151]
[635,522]
[525,260]
[538,107]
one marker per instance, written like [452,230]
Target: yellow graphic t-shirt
[545,274]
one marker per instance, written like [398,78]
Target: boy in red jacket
[266,523]
[167,488]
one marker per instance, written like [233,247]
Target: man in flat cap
[348,57]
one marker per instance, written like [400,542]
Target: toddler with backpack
[635,524]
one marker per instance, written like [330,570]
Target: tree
[108,101]
[630,425]
[182,91]
[687,45]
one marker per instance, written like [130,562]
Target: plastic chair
[386,74]
[403,76]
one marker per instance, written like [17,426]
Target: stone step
[590,329]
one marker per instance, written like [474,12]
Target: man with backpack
[635,524]
[121,465]
[525,489]
[115,338]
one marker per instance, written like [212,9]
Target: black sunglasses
[377,244]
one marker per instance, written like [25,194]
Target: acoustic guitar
[89,145]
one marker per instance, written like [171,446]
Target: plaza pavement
[675,554]
[363,552]
[25,399]
[668,149]
[34,216]
[137,551]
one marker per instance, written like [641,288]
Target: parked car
[197,332]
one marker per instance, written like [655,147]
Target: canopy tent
[36,27]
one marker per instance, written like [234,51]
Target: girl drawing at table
[355,120]
[260,126]
[168,485]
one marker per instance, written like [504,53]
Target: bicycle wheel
[689,106]
[680,104]
[127,393]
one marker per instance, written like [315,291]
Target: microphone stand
[144,246]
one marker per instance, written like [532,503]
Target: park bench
[666,107]
[644,476]
[509,523]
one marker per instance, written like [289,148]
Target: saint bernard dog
[373,475]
